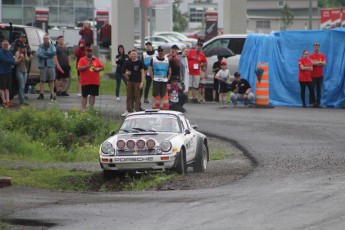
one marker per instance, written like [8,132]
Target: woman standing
[120,60]
[21,58]
[304,77]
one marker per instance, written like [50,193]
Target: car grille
[135,152]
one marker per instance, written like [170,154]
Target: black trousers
[311,92]
[178,106]
[147,86]
[317,85]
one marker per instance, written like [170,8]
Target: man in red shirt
[196,58]
[319,60]
[89,67]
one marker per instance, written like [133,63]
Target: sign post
[42,18]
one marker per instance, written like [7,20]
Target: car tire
[181,167]
[200,164]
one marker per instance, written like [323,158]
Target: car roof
[14,25]
[155,111]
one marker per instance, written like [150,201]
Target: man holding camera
[89,67]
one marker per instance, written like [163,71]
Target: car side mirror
[194,126]
[112,133]
[187,131]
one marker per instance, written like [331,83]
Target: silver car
[154,140]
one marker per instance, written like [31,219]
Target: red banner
[325,19]
[335,17]
[343,17]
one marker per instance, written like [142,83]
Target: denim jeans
[119,77]
[21,78]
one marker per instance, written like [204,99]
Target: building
[264,16]
[61,12]
[197,10]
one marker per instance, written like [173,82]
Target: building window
[196,14]
[263,25]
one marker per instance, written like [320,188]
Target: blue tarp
[282,50]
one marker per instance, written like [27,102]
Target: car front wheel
[200,164]
[181,167]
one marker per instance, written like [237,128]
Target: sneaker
[52,97]
[79,94]
[64,94]
[10,104]
[317,106]
[117,98]
[59,94]
[124,114]
[141,109]
[40,97]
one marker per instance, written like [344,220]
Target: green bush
[52,135]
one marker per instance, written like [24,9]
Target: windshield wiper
[144,130]
[129,131]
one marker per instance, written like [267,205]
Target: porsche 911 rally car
[155,140]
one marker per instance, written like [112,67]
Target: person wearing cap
[46,64]
[89,67]
[146,58]
[319,61]
[20,42]
[195,59]
[160,72]
[240,90]
[63,68]
[176,96]
[21,58]
[6,63]
[223,77]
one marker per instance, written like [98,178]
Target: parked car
[158,40]
[233,42]
[181,37]
[200,34]
[34,37]
[154,140]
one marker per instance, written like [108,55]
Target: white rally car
[154,140]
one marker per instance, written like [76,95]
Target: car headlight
[106,146]
[166,146]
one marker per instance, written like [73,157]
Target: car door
[189,139]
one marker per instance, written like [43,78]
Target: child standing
[223,76]
[202,83]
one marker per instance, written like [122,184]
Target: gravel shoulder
[219,172]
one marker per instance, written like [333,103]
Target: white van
[233,42]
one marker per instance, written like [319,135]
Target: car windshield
[150,123]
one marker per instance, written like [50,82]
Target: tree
[180,20]
[331,3]
[286,17]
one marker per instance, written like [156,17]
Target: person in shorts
[195,59]
[89,67]
[160,72]
[46,55]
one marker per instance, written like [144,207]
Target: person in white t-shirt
[223,76]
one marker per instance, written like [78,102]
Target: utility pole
[310,26]
[143,20]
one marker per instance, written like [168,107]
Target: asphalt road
[297,184]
